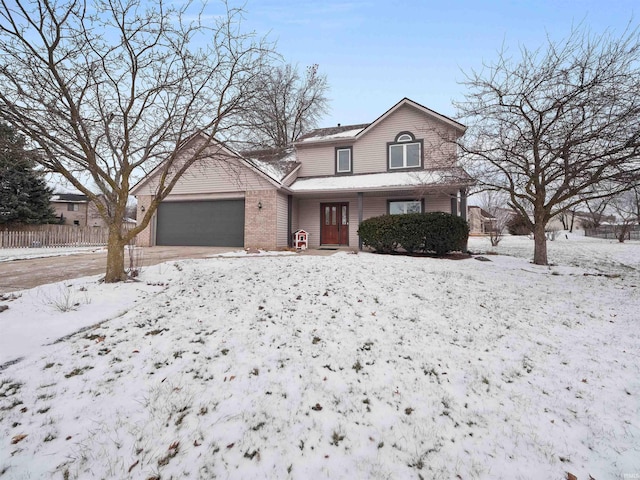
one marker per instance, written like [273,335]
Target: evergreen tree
[24,194]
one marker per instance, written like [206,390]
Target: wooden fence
[52,236]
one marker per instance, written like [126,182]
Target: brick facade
[145,237]
[260,224]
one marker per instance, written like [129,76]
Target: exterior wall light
[259,205]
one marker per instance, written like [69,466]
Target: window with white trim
[405,152]
[343,160]
[400,207]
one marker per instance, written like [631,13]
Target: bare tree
[597,208]
[626,206]
[287,106]
[548,127]
[107,89]
[495,203]
[568,217]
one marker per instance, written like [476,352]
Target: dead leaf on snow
[18,438]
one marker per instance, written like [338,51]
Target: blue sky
[376,52]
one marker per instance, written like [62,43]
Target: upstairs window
[400,207]
[343,160]
[73,207]
[405,152]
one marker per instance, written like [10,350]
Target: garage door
[217,223]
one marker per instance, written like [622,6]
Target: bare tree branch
[553,127]
[287,106]
[108,89]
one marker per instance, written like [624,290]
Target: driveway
[23,274]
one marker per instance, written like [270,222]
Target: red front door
[334,223]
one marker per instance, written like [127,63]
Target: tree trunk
[540,244]
[563,219]
[115,257]
[573,219]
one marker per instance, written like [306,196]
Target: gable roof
[253,166]
[427,111]
[354,132]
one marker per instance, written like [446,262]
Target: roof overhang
[424,180]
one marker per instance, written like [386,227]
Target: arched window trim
[403,137]
[404,141]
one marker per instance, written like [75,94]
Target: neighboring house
[480,221]
[326,184]
[76,209]
[71,208]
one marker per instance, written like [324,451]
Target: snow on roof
[68,197]
[332,133]
[372,181]
[275,164]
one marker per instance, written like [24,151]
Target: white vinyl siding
[316,161]
[437,203]
[212,176]
[282,209]
[371,149]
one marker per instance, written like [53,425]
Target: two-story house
[326,184]
[76,209]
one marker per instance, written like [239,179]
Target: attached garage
[215,223]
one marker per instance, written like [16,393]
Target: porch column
[463,203]
[360,202]
[454,204]
[289,214]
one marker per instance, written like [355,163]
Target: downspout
[360,205]
[463,203]
[454,205]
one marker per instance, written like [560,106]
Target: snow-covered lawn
[346,366]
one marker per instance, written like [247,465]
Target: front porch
[332,221]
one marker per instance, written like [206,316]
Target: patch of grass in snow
[78,371]
[336,438]
[9,387]
[66,300]
[11,405]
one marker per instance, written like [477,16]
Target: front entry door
[334,223]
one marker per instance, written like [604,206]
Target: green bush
[445,233]
[411,230]
[437,232]
[379,233]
